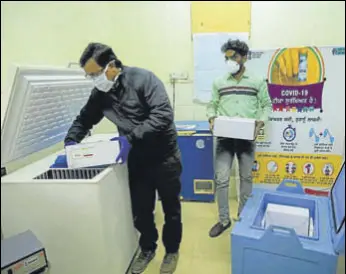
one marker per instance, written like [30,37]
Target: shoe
[218,229]
[169,264]
[142,261]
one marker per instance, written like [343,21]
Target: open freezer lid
[337,196]
[42,105]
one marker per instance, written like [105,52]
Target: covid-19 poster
[304,137]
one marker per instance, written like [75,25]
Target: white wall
[155,35]
[297,23]
[150,34]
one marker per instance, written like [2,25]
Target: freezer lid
[337,196]
[197,126]
[43,103]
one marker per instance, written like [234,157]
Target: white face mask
[102,83]
[233,66]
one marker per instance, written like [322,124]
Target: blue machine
[196,144]
[279,249]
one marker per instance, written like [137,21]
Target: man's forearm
[77,132]
[157,122]
[211,111]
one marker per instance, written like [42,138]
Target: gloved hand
[124,149]
[70,143]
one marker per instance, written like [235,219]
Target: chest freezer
[82,216]
[196,145]
[282,249]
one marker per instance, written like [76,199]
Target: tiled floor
[198,253]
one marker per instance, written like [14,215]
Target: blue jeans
[226,149]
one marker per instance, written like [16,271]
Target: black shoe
[169,264]
[218,229]
[142,261]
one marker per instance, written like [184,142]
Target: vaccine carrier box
[235,128]
[92,154]
[279,248]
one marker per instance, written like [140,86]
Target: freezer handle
[282,236]
[284,231]
[291,186]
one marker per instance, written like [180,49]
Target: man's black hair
[238,46]
[101,53]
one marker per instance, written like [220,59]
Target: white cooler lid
[43,103]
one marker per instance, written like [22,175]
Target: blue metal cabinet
[279,249]
[196,144]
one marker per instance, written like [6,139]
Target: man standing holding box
[236,94]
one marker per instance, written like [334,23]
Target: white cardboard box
[297,218]
[92,154]
[236,128]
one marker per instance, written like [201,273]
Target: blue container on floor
[195,141]
[279,250]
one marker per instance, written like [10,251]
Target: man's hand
[124,149]
[259,126]
[211,124]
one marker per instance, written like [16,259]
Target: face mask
[233,66]
[102,83]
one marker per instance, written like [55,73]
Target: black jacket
[139,106]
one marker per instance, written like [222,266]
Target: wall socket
[176,76]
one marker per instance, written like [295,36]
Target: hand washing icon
[322,135]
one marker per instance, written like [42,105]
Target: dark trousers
[146,177]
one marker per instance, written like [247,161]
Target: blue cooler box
[195,141]
[279,250]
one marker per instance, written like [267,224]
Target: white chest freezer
[82,216]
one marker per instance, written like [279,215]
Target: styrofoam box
[92,154]
[294,217]
[235,128]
